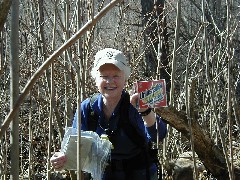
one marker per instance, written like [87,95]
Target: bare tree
[198,47]
[14,89]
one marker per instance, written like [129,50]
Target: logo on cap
[109,54]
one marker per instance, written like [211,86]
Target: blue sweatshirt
[124,147]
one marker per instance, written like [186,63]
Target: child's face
[110,81]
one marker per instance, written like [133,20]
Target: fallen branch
[211,155]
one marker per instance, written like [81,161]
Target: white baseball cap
[111,56]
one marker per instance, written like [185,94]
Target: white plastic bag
[95,152]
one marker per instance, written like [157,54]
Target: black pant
[138,174]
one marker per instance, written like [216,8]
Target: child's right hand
[58,161]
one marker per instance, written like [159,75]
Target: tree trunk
[14,74]
[211,155]
[155,40]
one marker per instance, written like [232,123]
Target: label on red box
[151,93]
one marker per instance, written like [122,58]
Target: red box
[151,93]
